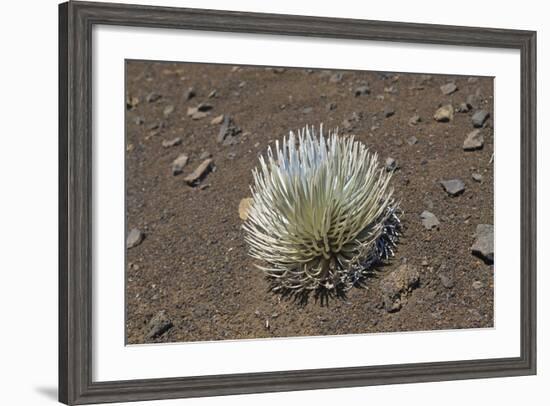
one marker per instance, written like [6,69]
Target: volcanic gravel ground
[190,278]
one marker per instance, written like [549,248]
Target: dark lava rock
[474,140]
[483,245]
[159,324]
[453,187]
[448,88]
[135,237]
[229,132]
[179,163]
[429,220]
[199,173]
[396,286]
[479,117]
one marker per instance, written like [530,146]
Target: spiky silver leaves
[322,213]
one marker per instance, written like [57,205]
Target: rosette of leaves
[322,213]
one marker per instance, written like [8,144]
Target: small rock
[179,163]
[159,324]
[199,173]
[483,245]
[412,140]
[414,120]
[232,155]
[204,107]
[229,132]
[477,285]
[217,120]
[279,70]
[429,220]
[205,155]
[362,90]
[444,113]
[477,177]
[132,102]
[463,108]
[391,164]
[446,280]
[331,106]
[307,110]
[139,120]
[168,110]
[390,89]
[389,111]
[213,93]
[336,77]
[135,237]
[453,187]
[153,97]
[397,284]
[448,88]
[171,143]
[189,94]
[244,206]
[479,117]
[474,140]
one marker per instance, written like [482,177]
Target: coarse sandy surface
[192,264]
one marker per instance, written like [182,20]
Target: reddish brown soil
[193,262]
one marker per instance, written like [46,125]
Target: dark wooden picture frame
[76,20]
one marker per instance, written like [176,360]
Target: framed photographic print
[257,202]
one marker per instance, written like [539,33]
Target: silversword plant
[322,213]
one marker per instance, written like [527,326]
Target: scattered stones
[179,163]
[168,110]
[205,155]
[362,91]
[474,140]
[477,177]
[307,110]
[396,286]
[158,325]
[448,88]
[199,173]
[134,238]
[153,97]
[389,111]
[453,187]
[217,120]
[171,143]
[444,114]
[391,164]
[479,118]
[244,206]
[412,140]
[429,220]
[483,245]
[414,120]
[229,132]
[189,94]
